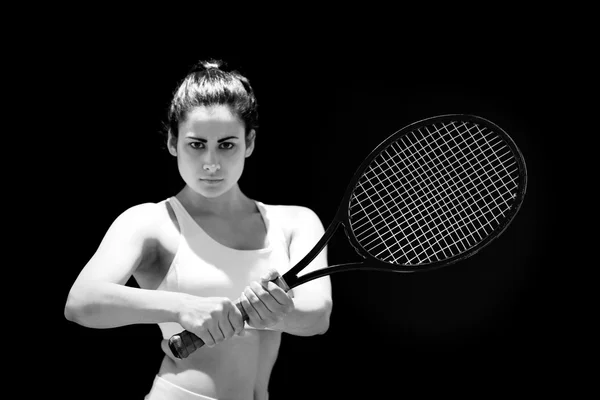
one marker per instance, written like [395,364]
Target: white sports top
[204,267]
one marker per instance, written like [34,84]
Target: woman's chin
[211,189]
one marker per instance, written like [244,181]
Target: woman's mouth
[212,181]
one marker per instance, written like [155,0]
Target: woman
[195,254]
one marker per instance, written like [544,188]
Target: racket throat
[279,281]
[331,270]
[290,278]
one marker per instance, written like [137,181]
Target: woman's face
[211,136]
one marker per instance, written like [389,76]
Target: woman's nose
[210,158]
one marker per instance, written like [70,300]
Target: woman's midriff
[239,367]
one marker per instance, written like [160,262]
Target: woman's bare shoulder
[144,214]
[145,219]
[294,217]
[293,211]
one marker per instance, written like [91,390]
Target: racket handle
[185,343]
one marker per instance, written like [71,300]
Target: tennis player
[194,254]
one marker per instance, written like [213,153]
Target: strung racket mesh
[434,193]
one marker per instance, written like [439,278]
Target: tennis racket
[435,192]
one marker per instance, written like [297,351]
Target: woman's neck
[228,205]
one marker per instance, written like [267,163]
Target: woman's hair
[209,83]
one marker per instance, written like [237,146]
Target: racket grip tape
[185,343]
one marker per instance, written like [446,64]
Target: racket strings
[388,175]
[414,200]
[420,215]
[454,207]
[456,192]
[433,193]
[463,234]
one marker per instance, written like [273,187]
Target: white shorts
[162,389]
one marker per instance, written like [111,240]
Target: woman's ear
[250,139]
[172,144]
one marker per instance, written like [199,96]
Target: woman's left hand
[266,303]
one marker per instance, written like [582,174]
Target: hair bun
[207,65]
[216,64]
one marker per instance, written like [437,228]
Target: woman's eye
[227,145]
[197,145]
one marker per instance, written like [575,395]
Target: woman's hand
[212,319]
[266,303]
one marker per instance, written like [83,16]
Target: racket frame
[342,216]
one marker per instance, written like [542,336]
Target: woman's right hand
[212,319]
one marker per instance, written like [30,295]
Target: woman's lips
[212,181]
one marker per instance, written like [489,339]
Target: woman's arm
[100,299]
[312,301]
[109,305]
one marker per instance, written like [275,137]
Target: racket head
[480,215]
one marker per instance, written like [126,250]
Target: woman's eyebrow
[218,141]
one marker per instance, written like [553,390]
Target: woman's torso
[241,365]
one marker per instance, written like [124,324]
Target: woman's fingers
[265,303]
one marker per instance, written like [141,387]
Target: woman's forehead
[213,121]
[219,111]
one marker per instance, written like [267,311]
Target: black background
[496,322]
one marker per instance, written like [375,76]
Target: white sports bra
[204,267]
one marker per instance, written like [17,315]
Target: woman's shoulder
[295,216]
[289,211]
[145,218]
[144,211]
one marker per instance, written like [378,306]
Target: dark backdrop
[485,325]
